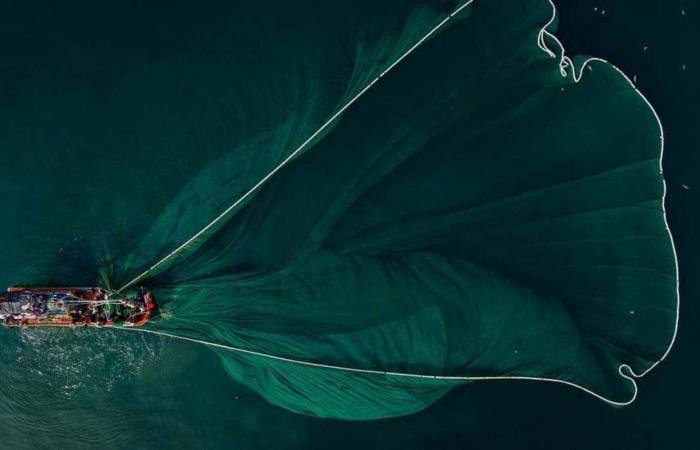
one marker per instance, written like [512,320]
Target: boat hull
[71,307]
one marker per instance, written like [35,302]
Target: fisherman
[78,313]
[91,315]
[151,304]
[101,316]
[74,314]
[119,312]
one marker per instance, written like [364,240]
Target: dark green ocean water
[125,127]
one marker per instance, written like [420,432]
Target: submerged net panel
[473,214]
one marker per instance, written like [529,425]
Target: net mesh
[474,213]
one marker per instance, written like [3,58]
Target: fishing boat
[74,307]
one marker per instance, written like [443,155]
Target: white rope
[90,302]
[292,155]
[395,374]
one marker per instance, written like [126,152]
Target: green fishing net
[474,213]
